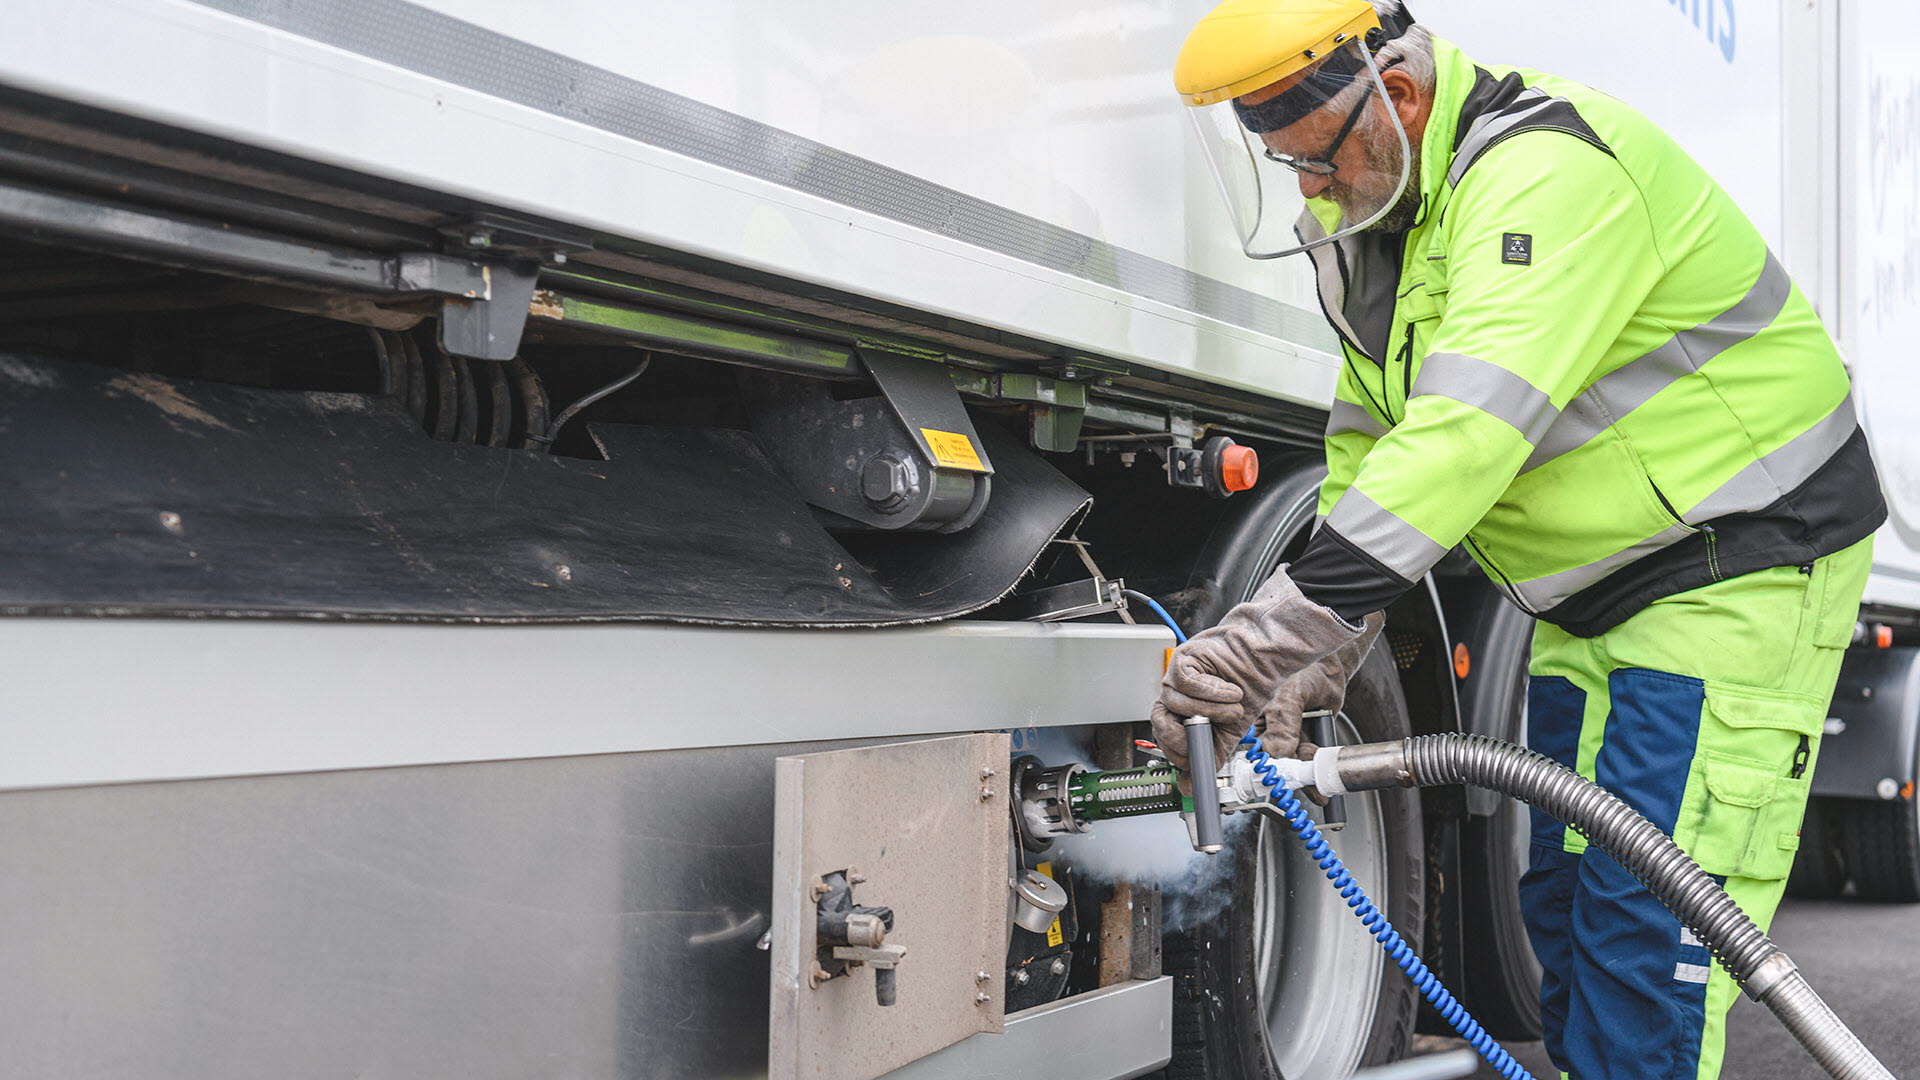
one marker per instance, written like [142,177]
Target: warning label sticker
[954,450]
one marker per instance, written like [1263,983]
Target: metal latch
[851,935]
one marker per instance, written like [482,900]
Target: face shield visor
[1322,158]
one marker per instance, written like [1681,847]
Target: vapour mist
[1156,851]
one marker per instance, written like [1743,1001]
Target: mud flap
[131,493]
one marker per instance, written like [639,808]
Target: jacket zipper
[1800,757]
[1713,552]
[1708,531]
[1406,372]
[1512,593]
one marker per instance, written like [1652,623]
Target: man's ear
[1405,93]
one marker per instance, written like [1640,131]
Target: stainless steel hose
[1750,956]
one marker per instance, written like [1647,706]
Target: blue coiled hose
[1383,932]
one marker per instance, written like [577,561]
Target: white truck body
[1022,170]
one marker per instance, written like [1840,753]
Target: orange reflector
[1239,468]
[1166,662]
[1883,636]
[1906,791]
[1462,660]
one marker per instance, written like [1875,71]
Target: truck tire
[1280,980]
[1820,868]
[1502,976]
[1880,842]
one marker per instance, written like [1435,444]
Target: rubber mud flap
[130,493]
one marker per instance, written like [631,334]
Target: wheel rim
[1318,970]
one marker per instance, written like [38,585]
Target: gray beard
[1407,211]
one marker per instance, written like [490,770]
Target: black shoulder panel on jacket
[1498,109]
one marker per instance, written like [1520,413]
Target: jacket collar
[1453,81]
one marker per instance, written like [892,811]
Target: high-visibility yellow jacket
[1582,362]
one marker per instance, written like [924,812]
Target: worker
[1565,349]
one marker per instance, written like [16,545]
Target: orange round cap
[1239,468]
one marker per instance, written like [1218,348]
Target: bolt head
[982,998]
[1058,967]
[1021,978]
[887,483]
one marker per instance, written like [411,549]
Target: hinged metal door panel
[923,828]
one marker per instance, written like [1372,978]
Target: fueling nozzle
[1062,800]
[1204,825]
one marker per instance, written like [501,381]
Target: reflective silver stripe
[1380,533]
[1692,973]
[1762,483]
[1488,387]
[1620,392]
[1347,417]
[1493,125]
[1757,486]
[1687,938]
[1540,594]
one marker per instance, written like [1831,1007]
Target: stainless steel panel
[1122,1031]
[91,701]
[581,918]
[925,824]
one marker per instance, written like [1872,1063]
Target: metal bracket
[906,459]
[1059,409]
[1074,600]
[488,327]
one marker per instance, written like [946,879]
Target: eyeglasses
[1323,164]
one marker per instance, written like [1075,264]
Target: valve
[850,935]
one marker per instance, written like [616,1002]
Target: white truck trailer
[368,710]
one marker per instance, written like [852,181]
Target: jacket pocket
[1749,783]
[1833,599]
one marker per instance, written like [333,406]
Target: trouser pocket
[1750,778]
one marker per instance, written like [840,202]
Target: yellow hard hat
[1243,45]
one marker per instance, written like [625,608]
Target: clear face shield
[1321,158]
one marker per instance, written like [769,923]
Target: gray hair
[1414,49]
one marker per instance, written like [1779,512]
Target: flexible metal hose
[1750,956]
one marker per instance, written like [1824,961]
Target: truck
[572,540]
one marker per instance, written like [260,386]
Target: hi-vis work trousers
[1704,712]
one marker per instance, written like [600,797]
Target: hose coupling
[1769,974]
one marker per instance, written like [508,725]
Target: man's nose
[1312,185]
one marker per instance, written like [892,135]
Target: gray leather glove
[1321,687]
[1232,672]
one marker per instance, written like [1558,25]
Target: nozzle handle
[1208,835]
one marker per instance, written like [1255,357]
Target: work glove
[1233,672]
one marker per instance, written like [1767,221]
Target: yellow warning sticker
[1054,934]
[954,450]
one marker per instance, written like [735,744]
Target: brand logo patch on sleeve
[1516,249]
